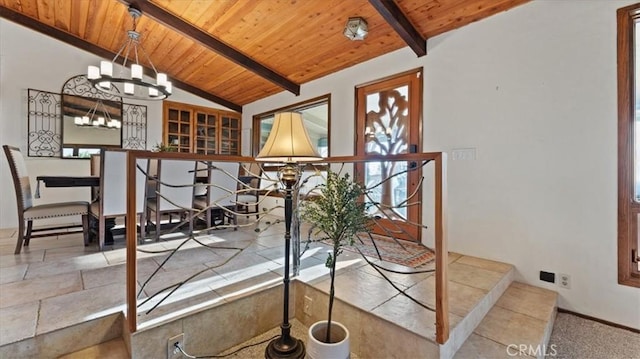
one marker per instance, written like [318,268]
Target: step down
[113,349]
[519,324]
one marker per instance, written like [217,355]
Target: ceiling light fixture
[130,85]
[91,120]
[356,28]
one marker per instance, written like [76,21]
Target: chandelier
[356,28]
[129,83]
[92,120]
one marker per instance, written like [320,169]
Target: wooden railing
[440,232]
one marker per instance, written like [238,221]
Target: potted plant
[162,147]
[338,215]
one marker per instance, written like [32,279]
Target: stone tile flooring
[37,285]
[522,318]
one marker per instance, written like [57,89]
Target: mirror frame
[79,86]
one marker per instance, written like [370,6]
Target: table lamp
[288,143]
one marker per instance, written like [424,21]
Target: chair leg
[235,221]
[143,227]
[20,236]
[85,229]
[27,237]
[101,229]
[158,225]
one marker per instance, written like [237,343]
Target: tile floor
[522,316]
[37,285]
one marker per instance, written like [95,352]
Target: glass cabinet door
[206,134]
[178,129]
[230,135]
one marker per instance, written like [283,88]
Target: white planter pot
[318,349]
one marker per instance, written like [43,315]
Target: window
[628,145]
[315,114]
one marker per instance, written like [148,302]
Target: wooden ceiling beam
[72,40]
[401,24]
[169,20]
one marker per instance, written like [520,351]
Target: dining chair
[221,193]
[309,182]
[248,198]
[152,175]
[94,165]
[112,202]
[94,170]
[202,171]
[28,212]
[173,189]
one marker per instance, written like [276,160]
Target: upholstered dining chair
[28,212]
[221,191]
[248,199]
[94,170]
[112,202]
[173,193]
[94,165]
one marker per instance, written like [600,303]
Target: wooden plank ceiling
[237,52]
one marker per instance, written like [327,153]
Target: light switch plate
[463,154]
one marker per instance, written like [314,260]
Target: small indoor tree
[337,214]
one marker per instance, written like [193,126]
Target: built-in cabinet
[198,129]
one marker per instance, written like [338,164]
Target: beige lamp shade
[288,141]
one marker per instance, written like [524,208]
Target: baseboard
[605,322]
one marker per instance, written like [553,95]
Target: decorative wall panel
[44,124]
[134,126]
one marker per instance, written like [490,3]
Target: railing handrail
[441,260]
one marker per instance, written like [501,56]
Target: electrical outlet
[308,302]
[547,277]
[564,280]
[172,351]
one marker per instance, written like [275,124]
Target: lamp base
[282,348]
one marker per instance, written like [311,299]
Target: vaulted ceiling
[234,52]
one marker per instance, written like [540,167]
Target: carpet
[576,337]
[398,251]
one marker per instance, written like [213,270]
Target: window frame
[628,208]
[255,133]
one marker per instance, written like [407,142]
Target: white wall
[534,91]
[31,60]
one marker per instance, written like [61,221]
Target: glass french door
[388,115]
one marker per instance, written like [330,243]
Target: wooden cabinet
[177,128]
[206,137]
[229,134]
[202,130]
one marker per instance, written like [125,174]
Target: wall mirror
[91,120]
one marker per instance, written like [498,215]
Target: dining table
[66,181]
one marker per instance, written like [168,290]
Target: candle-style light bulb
[136,71]
[106,68]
